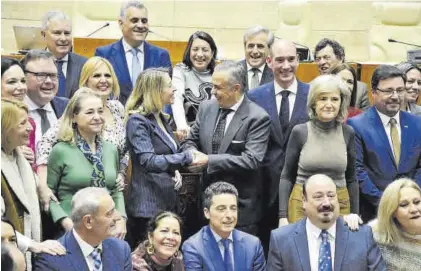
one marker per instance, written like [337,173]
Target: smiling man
[219,246]
[387,140]
[57,33]
[132,54]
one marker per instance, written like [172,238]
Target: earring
[150,248]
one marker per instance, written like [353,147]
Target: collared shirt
[86,250]
[218,240]
[250,73]
[129,56]
[291,98]
[65,60]
[315,240]
[234,109]
[33,113]
[386,125]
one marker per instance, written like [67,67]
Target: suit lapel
[267,75]
[119,58]
[239,252]
[210,124]
[75,253]
[109,261]
[405,138]
[70,74]
[270,107]
[300,105]
[213,253]
[340,243]
[301,244]
[148,56]
[161,134]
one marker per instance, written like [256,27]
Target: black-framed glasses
[42,76]
[389,92]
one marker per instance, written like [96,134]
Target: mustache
[326,208]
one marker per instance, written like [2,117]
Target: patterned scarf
[98,176]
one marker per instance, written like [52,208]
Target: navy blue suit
[154,57]
[115,256]
[201,252]
[59,105]
[375,164]
[354,250]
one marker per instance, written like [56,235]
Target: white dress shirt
[33,113]
[65,60]
[86,250]
[315,240]
[250,73]
[234,109]
[129,56]
[385,120]
[221,246]
[291,97]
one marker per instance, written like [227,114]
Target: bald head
[317,180]
[280,44]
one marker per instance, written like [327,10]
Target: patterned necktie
[96,256]
[218,134]
[255,78]
[227,255]
[396,143]
[325,258]
[135,65]
[61,79]
[284,110]
[45,123]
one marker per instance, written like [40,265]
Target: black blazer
[74,67]
[267,76]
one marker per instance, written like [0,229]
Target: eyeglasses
[42,76]
[389,92]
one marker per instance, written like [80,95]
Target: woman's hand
[28,154]
[178,180]
[45,196]
[353,221]
[120,182]
[67,224]
[120,228]
[283,222]
[51,247]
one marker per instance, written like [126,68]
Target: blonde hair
[10,113]
[387,227]
[66,132]
[90,66]
[146,95]
[326,84]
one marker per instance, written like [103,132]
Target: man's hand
[200,161]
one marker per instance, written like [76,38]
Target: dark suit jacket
[375,164]
[201,252]
[115,256]
[275,156]
[154,159]
[154,57]
[354,250]
[267,75]
[74,67]
[239,159]
[59,105]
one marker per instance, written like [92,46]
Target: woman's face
[13,83]
[327,105]
[167,96]
[347,78]
[408,212]
[90,119]
[200,54]
[166,238]
[20,132]
[101,81]
[8,235]
[413,85]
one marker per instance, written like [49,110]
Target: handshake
[200,161]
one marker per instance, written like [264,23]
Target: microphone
[397,41]
[105,25]
[159,35]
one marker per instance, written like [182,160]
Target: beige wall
[363,27]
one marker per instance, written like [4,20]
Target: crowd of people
[287,175]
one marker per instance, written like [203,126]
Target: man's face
[41,80]
[257,50]
[389,103]
[104,221]
[326,60]
[222,214]
[225,94]
[321,204]
[58,37]
[135,26]
[284,63]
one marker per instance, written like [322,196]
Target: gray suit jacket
[267,76]
[74,67]
[415,109]
[362,102]
[240,157]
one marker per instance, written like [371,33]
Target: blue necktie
[227,255]
[96,256]
[61,79]
[325,256]
[135,65]
[284,112]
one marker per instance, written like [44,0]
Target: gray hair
[36,54]
[53,15]
[85,202]
[324,83]
[255,30]
[126,5]
[235,71]
[218,188]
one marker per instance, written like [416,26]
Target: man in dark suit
[257,41]
[218,246]
[233,132]
[328,54]
[57,33]
[285,112]
[387,140]
[132,54]
[89,245]
[322,241]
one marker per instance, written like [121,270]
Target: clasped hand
[200,161]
